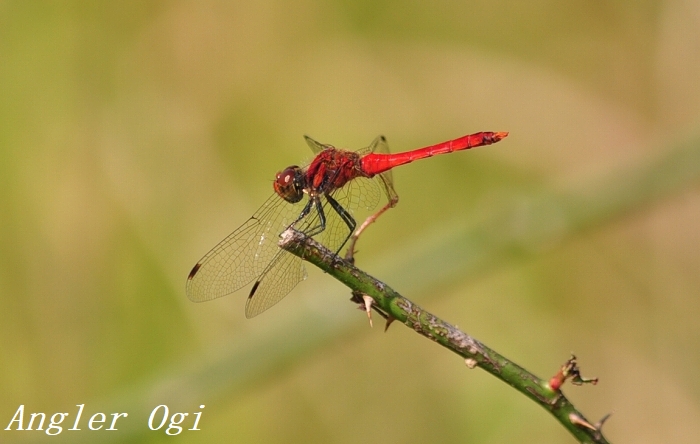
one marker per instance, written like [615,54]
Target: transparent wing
[315,146]
[285,270]
[245,254]
[380,145]
[283,273]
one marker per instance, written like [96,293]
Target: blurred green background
[135,135]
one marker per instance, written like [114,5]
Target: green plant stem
[475,353]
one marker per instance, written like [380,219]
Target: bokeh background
[135,135]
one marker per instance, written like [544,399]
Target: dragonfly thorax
[289,184]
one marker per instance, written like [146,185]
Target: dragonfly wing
[360,193]
[243,255]
[315,146]
[381,146]
[283,273]
[286,270]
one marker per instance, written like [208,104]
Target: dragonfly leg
[356,235]
[314,202]
[303,214]
[345,215]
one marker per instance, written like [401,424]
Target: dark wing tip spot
[252,290]
[194,271]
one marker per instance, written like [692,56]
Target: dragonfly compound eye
[288,184]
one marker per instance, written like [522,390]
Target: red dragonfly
[336,182]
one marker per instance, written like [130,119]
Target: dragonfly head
[289,184]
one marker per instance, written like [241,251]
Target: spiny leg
[303,214]
[350,254]
[345,215]
[316,203]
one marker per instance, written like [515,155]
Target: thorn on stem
[599,424]
[579,421]
[368,307]
[389,320]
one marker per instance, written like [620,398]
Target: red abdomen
[378,163]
